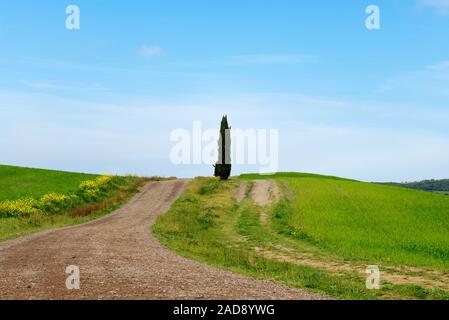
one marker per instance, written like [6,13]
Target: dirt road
[265,192]
[120,259]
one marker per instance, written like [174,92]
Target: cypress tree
[223,166]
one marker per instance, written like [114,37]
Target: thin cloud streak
[50,86]
[262,59]
[149,52]
[440,6]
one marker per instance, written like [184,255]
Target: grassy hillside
[18,182]
[321,235]
[32,200]
[277,175]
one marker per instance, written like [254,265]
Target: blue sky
[370,105]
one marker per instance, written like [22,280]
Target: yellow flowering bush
[91,189]
[99,183]
[54,202]
[104,180]
[19,208]
[88,191]
[88,185]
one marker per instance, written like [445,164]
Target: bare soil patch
[265,193]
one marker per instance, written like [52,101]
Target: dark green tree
[223,166]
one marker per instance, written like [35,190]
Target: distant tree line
[427,185]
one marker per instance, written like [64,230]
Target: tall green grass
[365,221]
[371,222]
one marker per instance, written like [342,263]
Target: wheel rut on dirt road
[119,258]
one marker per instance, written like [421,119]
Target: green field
[320,236]
[370,222]
[32,200]
[18,182]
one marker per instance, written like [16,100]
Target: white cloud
[441,6]
[50,86]
[440,66]
[260,59]
[148,52]
[364,153]
[430,81]
[265,59]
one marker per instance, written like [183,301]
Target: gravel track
[119,258]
